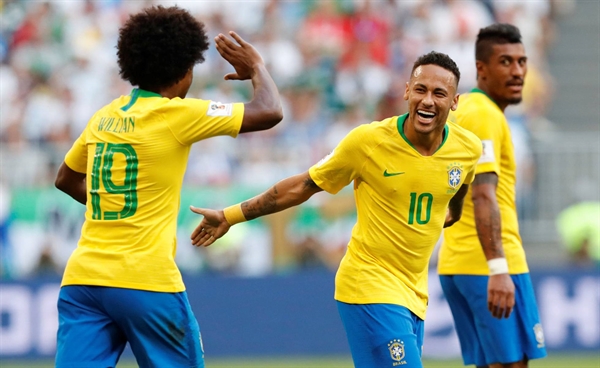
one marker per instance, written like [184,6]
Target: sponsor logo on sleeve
[488,152]
[219,109]
[325,159]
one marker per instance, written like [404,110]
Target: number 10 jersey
[401,199]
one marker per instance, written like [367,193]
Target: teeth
[426,113]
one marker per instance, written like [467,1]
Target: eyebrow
[434,90]
[511,57]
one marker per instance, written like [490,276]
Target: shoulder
[374,133]
[476,106]
[465,137]
[175,103]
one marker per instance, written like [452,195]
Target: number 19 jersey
[134,152]
[401,199]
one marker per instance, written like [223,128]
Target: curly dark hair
[495,34]
[159,45]
[439,59]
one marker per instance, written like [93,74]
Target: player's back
[461,252]
[137,149]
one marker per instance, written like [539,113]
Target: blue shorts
[96,322]
[382,335]
[484,339]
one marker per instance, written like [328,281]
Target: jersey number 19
[101,171]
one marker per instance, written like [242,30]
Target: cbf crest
[455,171]
[539,335]
[396,348]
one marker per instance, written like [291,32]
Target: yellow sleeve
[192,120]
[477,151]
[487,125]
[76,158]
[343,164]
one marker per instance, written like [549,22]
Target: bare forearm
[487,214]
[78,192]
[488,224]
[266,103]
[71,182]
[265,90]
[287,193]
[455,206]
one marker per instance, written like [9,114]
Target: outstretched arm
[72,183]
[287,193]
[501,289]
[455,206]
[264,110]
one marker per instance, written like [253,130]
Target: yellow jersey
[401,200]
[134,152]
[461,252]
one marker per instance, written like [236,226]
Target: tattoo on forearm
[487,214]
[310,184]
[261,205]
[489,231]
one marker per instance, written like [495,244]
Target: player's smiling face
[503,74]
[431,93]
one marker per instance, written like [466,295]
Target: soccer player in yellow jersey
[410,175]
[121,283]
[482,263]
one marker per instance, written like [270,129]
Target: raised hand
[242,56]
[213,226]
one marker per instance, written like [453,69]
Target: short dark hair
[158,46]
[495,34]
[439,59]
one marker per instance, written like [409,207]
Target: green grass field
[553,361]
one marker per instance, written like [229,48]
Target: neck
[490,94]
[168,92]
[425,143]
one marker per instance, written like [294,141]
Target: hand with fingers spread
[213,226]
[241,55]
[501,295]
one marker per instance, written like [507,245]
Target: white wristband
[497,266]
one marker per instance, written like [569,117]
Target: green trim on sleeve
[137,93]
[400,126]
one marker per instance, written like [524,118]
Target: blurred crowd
[338,64]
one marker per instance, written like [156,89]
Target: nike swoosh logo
[386,173]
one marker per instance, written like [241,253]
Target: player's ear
[454,102]
[480,66]
[406,91]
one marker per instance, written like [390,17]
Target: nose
[428,100]
[518,70]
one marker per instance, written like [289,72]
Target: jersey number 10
[101,171]
[416,208]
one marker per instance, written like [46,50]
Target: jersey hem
[125,285]
[476,273]
[419,313]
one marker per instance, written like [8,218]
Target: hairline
[412,73]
